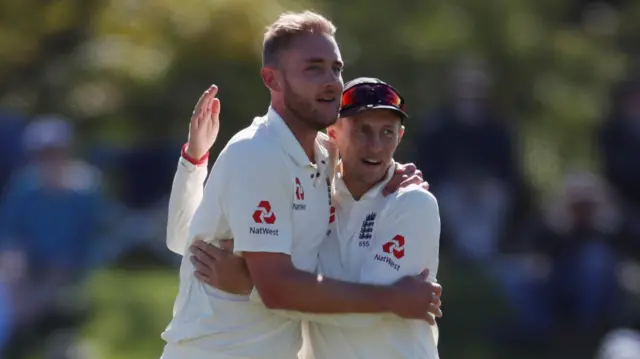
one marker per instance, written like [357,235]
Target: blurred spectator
[570,285]
[468,157]
[619,140]
[145,172]
[153,162]
[49,222]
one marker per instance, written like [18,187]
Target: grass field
[131,308]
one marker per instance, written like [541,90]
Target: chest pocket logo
[299,192]
[366,231]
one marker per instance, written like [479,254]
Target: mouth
[371,162]
[327,99]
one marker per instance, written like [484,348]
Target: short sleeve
[258,198]
[406,240]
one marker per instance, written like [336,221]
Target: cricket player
[270,190]
[372,238]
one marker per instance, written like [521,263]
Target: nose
[375,144]
[334,82]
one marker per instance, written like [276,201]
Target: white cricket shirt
[322,337]
[265,194]
[378,240]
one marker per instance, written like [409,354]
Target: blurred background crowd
[525,121]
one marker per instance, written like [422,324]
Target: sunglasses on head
[365,95]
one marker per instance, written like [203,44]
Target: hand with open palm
[205,124]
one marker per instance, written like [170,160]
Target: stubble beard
[302,109]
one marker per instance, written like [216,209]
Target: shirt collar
[290,143]
[342,192]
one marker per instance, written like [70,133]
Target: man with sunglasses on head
[372,238]
[270,190]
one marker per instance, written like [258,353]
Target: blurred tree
[37,41]
[136,68]
[552,76]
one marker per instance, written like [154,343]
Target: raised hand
[205,124]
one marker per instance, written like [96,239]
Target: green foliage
[131,71]
[131,310]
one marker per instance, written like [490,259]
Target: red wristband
[193,161]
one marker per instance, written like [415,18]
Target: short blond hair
[279,35]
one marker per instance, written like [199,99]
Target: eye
[361,130]
[314,68]
[389,132]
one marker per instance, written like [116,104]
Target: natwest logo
[395,247]
[263,214]
[299,190]
[389,261]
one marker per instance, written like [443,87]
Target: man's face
[311,77]
[367,142]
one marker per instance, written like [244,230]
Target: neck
[305,135]
[358,188]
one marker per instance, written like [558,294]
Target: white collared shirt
[354,259]
[265,194]
[378,240]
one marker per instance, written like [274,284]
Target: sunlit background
[525,121]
